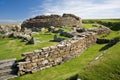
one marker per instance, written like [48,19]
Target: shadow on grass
[75,77]
[110,44]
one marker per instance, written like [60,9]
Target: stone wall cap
[22,63]
[60,45]
[37,51]
[45,48]
[27,53]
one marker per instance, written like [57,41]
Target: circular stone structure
[45,21]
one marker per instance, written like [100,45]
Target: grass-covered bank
[105,68]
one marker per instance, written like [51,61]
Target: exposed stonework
[51,20]
[80,40]
[100,30]
[60,53]
[55,55]
[9,28]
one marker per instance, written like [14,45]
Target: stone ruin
[38,22]
[55,55]
[80,40]
[9,30]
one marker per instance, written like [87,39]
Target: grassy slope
[106,68]
[111,35]
[104,20]
[67,69]
[111,20]
[87,25]
[10,48]
[79,64]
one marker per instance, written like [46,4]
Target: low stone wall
[100,30]
[8,69]
[55,55]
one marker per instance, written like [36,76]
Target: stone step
[7,60]
[7,65]
[8,71]
[7,77]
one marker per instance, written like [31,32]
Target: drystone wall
[35,24]
[55,55]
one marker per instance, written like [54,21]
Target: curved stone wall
[52,20]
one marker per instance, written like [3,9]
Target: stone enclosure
[35,24]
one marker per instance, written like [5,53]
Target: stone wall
[100,30]
[51,20]
[55,55]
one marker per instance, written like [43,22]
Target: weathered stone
[38,52]
[45,62]
[34,64]
[52,20]
[31,41]
[45,49]
[51,29]
[10,28]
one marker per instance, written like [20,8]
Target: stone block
[45,62]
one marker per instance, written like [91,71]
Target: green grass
[66,29]
[67,69]
[111,35]
[103,20]
[13,48]
[89,25]
[106,68]
[110,20]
